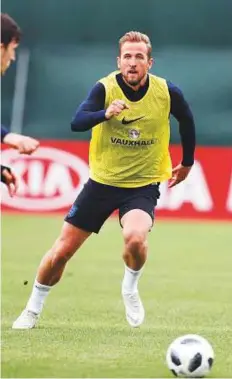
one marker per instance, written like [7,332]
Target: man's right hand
[24,144]
[115,108]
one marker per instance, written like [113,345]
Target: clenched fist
[24,144]
[115,108]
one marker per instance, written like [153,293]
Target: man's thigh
[92,207]
[143,198]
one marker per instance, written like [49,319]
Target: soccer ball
[190,356]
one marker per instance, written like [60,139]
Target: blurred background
[69,44]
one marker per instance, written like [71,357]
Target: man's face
[133,62]
[7,55]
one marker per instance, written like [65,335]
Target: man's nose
[132,62]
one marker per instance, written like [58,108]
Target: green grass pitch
[186,288]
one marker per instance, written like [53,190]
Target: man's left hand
[179,173]
[9,178]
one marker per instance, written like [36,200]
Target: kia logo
[49,179]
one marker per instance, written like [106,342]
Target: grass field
[186,288]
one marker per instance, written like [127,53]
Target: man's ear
[119,63]
[150,63]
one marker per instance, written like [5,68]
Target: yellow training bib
[132,149]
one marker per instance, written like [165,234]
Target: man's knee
[135,241]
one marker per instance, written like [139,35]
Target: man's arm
[24,144]
[91,112]
[181,111]
[4,132]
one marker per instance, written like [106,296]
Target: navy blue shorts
[97,201]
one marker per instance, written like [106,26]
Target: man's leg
[136,225]
[88,213]
[49,273]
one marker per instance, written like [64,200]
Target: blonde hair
[136,37]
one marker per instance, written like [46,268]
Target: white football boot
[27,320]
[134,309]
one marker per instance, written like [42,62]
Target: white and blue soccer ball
[190,356]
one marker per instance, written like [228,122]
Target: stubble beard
[132,83]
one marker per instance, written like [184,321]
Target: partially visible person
[24,144]
[10,38]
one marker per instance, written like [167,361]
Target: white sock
[130,280]
[39,293]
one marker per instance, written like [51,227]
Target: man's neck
[139,85]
